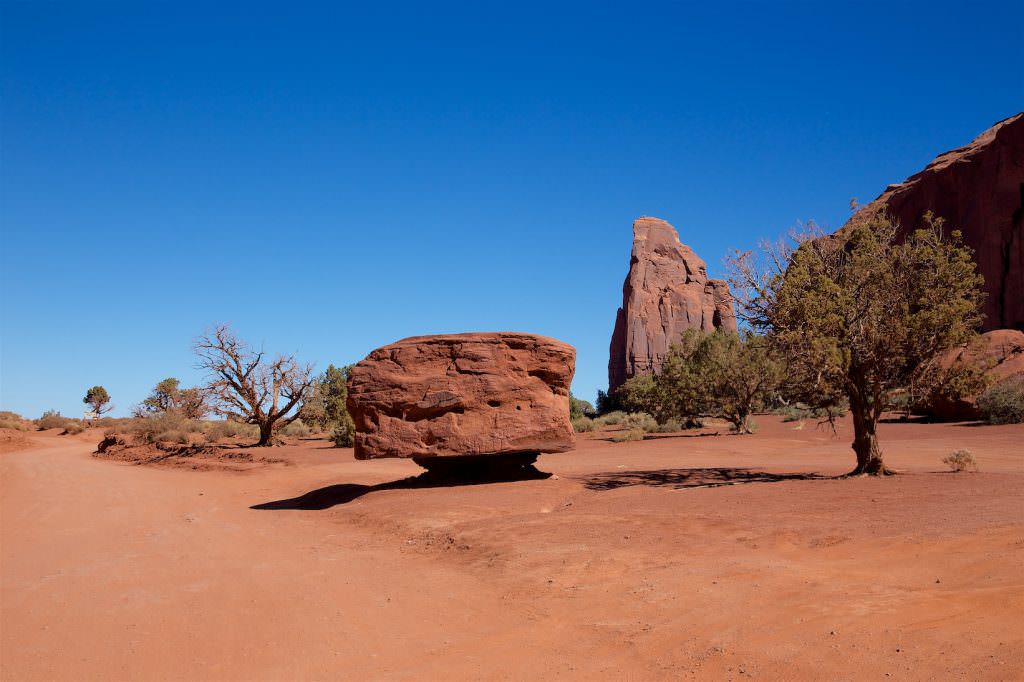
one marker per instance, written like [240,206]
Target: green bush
[629,435]
[51,419]
[583,424]
[1004,402]
[344,435]
[960,460]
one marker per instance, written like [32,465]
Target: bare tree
[247,387]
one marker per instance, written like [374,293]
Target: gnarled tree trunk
[865,441]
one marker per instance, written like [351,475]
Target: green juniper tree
[855,315]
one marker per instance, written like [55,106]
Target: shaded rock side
[456,395]
[979,190]
[666,292]
[999,352]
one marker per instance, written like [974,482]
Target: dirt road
[703,557]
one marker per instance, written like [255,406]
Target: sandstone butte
[979,190]
[666,292]
[479,395]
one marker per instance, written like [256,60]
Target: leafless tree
[246,386]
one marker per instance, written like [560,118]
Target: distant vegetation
[721,375]
[98,399]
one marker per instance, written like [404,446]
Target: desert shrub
[583,424]
[960,460]
[752,426]
[13,420]
[296,429]
[641,421]
[51,419]
[611,418]
[800,412]
[344,434]
[154,429]
[628,435]
[218,431]
[1004,402]
[671,426]
[72,427]
[176,436]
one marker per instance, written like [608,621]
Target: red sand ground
[625,566]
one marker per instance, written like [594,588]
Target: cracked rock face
[497,393]
[979,190]
[666,292]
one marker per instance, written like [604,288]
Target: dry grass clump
[960,460]
[51,419]
[628,435]
[71,428]
[583,424]
[611,418]
[640,421]
[13,420]
[297,429]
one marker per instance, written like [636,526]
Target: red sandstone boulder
[666,292]
[1000,353]
[979,190]
[463,395]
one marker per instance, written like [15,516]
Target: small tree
[738,375]
[856,314]
[579,408]
[713,375]
[168,397]
[98,399]
[246,387]
[325,408]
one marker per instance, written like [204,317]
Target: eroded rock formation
[666,292]
[490,394]
[978,189]
[1000,353]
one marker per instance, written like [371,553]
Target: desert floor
[684,556]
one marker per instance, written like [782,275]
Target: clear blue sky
[330,178]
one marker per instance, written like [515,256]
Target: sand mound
[12,440]
[199,457]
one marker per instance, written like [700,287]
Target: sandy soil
[696,556]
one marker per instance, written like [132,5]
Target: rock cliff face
[666,292]
[979,190]
[463,395]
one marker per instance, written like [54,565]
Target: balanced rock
[1000,353]
[979,190]
[498,394]
[666,292]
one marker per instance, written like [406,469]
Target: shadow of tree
[708,477]
[343,493]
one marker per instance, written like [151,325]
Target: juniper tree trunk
[266,434]
[865,441]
